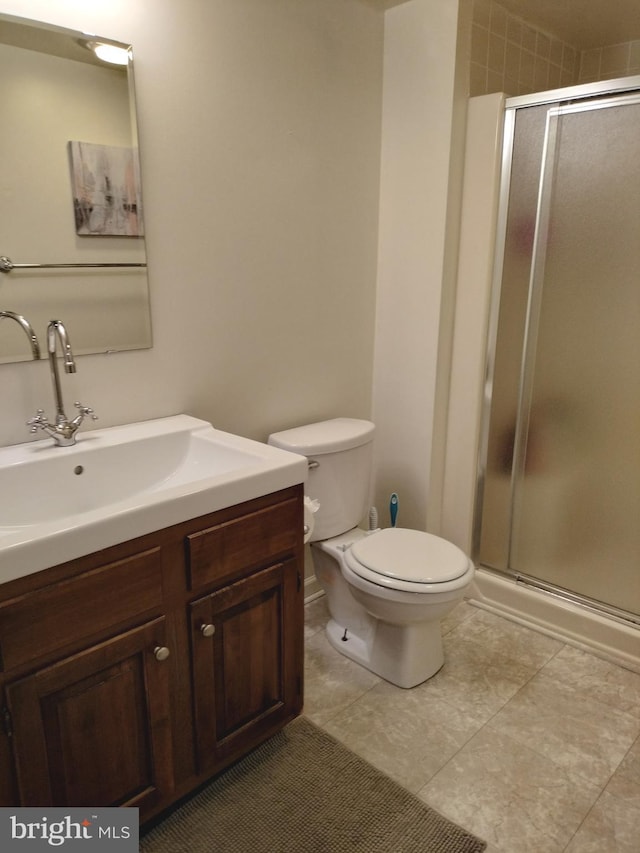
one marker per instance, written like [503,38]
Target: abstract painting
[106,190]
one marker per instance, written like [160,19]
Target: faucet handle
[85,410]
[38,420]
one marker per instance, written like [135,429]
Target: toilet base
[405,655]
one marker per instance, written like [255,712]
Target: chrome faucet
[26,325]
[63,432]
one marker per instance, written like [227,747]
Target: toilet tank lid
[325,436]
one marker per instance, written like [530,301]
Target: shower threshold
[579,600]
[609,633]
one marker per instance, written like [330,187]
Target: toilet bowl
[387,590]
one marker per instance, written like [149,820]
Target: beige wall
[472,322]
[260,146]
[424,111]
[261,129]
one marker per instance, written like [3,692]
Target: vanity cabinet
[131,676]
[245,678]
[94,727]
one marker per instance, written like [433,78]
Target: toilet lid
[410,555]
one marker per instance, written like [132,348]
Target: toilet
[387,589]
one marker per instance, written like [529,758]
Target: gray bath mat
[303,792]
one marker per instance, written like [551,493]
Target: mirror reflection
[72,238]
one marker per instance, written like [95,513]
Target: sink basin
[58,503]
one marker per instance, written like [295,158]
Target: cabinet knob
[207,629]
[161,652]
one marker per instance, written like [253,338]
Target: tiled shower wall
[604,63]
[511,55]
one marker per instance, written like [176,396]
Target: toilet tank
[339,453]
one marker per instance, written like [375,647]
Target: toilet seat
[408,560]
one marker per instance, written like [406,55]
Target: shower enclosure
[559,485]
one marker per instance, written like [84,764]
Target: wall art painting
[106,190]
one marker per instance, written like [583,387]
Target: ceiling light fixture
[112,53]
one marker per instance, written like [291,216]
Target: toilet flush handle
[313,463]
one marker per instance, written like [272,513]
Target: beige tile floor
[529,743]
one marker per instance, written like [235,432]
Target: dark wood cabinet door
[245,661]
[94,729]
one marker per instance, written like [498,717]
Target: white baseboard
[312,589]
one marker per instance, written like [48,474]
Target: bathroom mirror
[72,238]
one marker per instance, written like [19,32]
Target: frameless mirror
[72,231]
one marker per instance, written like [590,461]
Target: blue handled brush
[393,508]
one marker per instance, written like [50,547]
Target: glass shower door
[574,482]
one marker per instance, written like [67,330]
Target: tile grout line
[492,717]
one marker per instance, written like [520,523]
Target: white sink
[58,503]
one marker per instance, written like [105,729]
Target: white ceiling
[582,23]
